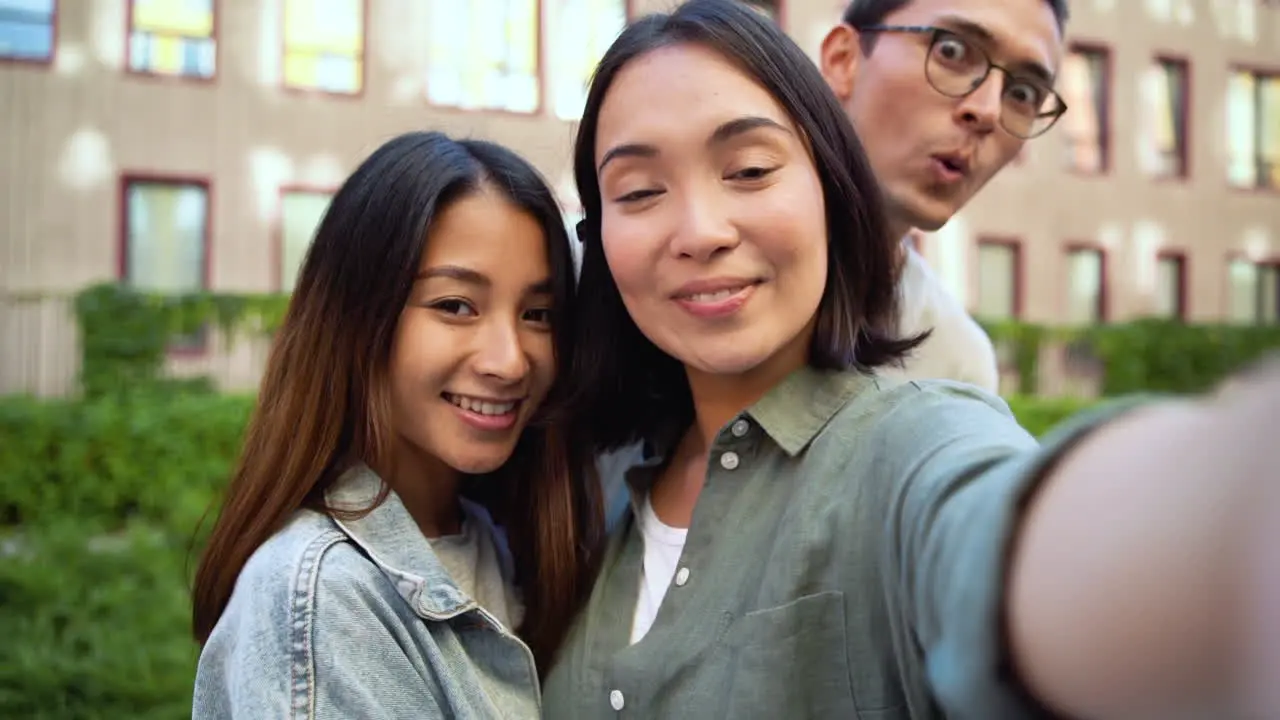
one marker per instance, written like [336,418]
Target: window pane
[324,42]
[166,235]
[26,29]
[1084,290]
[997,281]
[1269,294]
[1244,292]
[173,37]
[1170,284]
[192,18]
[585,29]
[1085,90]
[483,55]
[300,216]
[1268,120]
[1242,130]
[1163,114]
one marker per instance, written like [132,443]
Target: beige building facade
[192,144]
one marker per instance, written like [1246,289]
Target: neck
[718,398]
[427,487]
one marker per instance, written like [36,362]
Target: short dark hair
[625,388]
[861,13]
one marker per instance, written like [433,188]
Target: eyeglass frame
[939,32]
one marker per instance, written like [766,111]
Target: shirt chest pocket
[789,661]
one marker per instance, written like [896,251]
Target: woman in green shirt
[808,539]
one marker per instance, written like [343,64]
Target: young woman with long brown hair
[360,566]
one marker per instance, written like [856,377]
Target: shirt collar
[799,407]
[391,539]
[792,414]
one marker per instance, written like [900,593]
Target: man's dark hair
[861,13]
[625,387]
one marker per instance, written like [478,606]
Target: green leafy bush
[1148,355]
[99,505]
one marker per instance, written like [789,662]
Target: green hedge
[1146,355]
[99,502]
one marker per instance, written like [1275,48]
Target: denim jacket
[359,619]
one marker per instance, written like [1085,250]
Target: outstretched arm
[1144,578]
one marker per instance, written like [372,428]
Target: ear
[841,50]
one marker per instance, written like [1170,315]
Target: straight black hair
[625,388]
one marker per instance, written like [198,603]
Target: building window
[172,37]
[585,29]
[1253,130]
[27,29]
[771,9]
[1086,286]
[300,214]
[166,237]
[484,55]
[1255,292]
[1171,286]
[1164,143]
[999,279]
[1086,88]
[324,45]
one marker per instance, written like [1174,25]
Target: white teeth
[714,296]
[481,407]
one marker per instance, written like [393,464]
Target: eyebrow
[722,134]
[471,277]
[980,32]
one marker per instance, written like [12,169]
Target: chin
[723,358]
[478,461]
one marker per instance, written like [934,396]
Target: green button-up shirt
[846,559]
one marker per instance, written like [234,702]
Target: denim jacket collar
[391,539]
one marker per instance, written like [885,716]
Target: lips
[483,406]
[713,289]
[706,297]
[953,162]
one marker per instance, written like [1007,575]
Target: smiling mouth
[482,406]
[709,297]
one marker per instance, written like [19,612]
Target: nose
[500,355]
[980,109]
[705,229]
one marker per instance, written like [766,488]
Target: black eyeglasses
[956,66]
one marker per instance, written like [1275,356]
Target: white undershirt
[663,545]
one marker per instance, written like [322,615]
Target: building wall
[70,130]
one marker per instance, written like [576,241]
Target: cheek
[540,350]
[628,261]
[415,357]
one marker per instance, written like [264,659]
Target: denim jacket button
[616,701]
[682,576]
[740,428]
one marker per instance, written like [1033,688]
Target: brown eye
[454,306]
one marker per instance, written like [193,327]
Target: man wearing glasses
[943,94]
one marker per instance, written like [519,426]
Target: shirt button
[740,428]
[682,577]
[729,460]
[616,701]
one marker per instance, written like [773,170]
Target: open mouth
[952,165]
[483,406]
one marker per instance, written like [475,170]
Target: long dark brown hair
[323,407]
[626,388]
